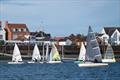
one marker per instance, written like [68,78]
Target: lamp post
[63,51]
[28,38]
[43,52]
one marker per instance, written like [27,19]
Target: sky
[62,17]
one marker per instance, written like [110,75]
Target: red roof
[12,26]
[58,38]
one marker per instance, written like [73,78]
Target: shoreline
[66,57]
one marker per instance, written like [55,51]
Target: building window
[1,36]
[24,29]
[14,36]
[13,30]
[21,30]
[16,30]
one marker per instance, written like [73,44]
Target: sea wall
[68,51]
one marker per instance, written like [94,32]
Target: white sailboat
[16,58]
[82,53]
[109,55]
[54,56]
[93,55]
[36,57]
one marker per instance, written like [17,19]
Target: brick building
[16,31]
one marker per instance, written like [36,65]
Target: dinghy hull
[78,62]
[92,64]
[15,62]
[53,62]
[32,62]
[108,60]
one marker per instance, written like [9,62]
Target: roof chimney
[4,23]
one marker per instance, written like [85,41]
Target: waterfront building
[40,35]
[16,32]
[2,32]
[111,35]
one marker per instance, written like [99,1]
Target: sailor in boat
[14,60]
[35,60]
[97,59]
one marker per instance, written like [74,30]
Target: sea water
[63,71]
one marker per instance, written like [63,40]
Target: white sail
[82,52]
[54,54]
[47,51]
[16,54]
[109,55]
[92,50]
[36,53]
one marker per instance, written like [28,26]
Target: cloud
[61,14]
[18,2]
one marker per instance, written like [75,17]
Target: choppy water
[64,71]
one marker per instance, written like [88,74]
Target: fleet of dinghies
[52,57]
[93,55]
[88,57]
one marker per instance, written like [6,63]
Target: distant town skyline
[62,17]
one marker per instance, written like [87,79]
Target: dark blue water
[64,71]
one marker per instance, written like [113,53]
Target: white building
[111,35]
[2,32]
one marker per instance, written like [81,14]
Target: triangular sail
[16,54]
[109,53]
[54,54]
[92,50]
[36,53]
[82,52]
[47,51]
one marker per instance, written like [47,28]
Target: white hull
[32,62]
[108,60]
[15,62]
[52,62]
[92,64]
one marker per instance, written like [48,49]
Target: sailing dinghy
[109,55]
[54,56]
[16,58]
[82,53]
[93,56]
[36,57]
